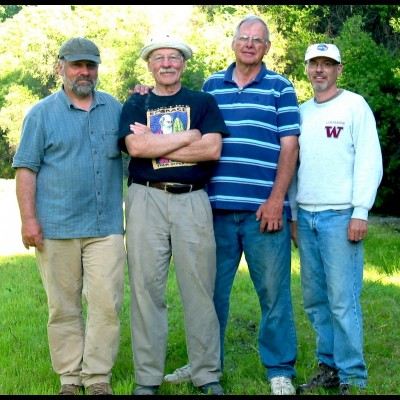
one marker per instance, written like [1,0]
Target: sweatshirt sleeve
[368,167]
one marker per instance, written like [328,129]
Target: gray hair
[251,19]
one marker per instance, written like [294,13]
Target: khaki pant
[76,272]
[161,225]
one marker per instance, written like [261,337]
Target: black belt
[169,187]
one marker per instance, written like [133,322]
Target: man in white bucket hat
[168,213]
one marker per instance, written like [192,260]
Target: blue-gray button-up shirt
[78,163]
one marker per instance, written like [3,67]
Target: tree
[8,11]
[367,35]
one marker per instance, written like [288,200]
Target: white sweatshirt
[340,161]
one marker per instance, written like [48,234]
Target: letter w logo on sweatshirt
[333,131]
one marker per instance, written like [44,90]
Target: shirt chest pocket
[110,143]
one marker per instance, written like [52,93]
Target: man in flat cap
[69,189]
[168,213]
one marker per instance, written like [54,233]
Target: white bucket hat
[166,41]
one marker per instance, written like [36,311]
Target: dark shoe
[101,388]
[344,388]
[212,388]
[70,389]
[326,378]
[145,390]
[347,389]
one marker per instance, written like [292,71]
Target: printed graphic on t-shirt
[167,120]
[334,128]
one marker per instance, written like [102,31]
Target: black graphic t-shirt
[186,109]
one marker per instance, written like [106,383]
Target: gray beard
[319,87]
[82,89]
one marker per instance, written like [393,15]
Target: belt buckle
[172,185]
[167,185]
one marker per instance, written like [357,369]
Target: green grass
[25,366]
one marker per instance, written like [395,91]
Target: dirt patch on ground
[10,222]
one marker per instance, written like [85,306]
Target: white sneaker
[180,375]
[282,385]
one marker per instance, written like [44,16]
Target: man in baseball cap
[323,50]
[79,48]
[339,142]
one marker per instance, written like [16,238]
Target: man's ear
[60,68]
[267,48]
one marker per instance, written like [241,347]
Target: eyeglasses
[255,39]
[323,64]
[171,59]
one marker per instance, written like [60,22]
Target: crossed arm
[185,146]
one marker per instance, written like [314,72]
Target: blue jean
[268,257]
[331,280]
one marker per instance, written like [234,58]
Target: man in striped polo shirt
[248,195]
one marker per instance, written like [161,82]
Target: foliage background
[367,35]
